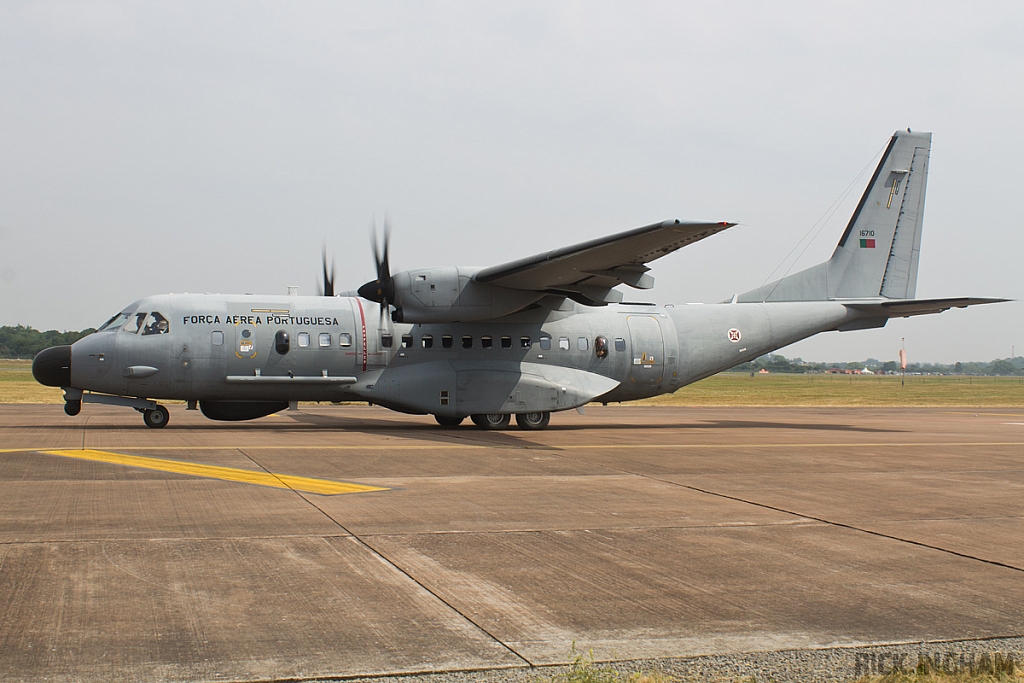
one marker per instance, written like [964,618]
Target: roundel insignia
[734,335]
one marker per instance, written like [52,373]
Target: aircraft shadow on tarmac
[306,422]
[750,424]
[371,426]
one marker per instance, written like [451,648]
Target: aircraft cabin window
[601,347]
[282,344]
[506,342]
[620,344]
[486,342]
[563,343]
[582,343]
[427,340]
[446,341]
[385,341]
[406,341]
[155,324]
[217,338]
[525,343]
[325,339]
[345,339]
[467,342]
[303,339]
[134,324]
[545,343]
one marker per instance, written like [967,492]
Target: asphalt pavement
[349,541]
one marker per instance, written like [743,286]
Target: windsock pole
[903,362]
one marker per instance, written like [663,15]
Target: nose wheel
[156,418]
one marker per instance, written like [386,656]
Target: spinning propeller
[327,289]
[381,290]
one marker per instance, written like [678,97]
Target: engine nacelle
[442,295]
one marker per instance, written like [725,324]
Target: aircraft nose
[52,366]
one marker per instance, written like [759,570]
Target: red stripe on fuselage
[362,324]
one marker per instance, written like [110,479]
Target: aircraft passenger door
[648,350]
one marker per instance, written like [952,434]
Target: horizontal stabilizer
[904,308]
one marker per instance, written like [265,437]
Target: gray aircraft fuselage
[336,351]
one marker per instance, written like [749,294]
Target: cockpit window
[115,321]
[134,323]
[155,324]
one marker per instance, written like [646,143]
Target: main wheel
[448,421]
[156,418]
[72,407]
[491,420]
[533,420]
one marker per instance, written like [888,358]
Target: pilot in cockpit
[158,326]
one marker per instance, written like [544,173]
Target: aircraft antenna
[822,221]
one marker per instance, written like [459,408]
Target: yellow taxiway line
[279,481]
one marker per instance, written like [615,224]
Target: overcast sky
[165,147]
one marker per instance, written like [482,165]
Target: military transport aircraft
[527,338]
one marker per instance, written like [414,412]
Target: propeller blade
[328,286]
[386,262]
[381,290]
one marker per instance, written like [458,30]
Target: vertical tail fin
[879,251]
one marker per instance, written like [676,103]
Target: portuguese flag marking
[867,244]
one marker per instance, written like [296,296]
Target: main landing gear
[489,421]
[156,418]
[533,420]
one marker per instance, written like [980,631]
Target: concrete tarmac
[204,552]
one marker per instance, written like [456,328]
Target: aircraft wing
[592,268]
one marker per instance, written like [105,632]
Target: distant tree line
[26,342]
[774,362]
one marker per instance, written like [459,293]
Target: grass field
[18,386]
[727,389]
[730,389]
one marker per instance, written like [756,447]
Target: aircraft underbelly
[459,388]
[480,391]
